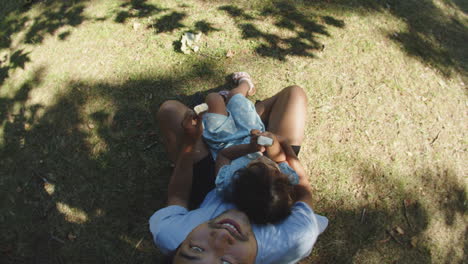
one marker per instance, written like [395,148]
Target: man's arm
[181,180]
[302,189]
[180,183]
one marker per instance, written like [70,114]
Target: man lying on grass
[216,232]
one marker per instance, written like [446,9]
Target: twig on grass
[137,245]
[208,56]
[354,96]
[435,138]
[40,177]
[406,214]
[150,146]
[394,237]
[385,240]
[57,239]
[139,242]
[363,214]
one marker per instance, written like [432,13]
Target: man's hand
[302,190]
[286,147]
[192,126]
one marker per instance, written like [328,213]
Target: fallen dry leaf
[414,241]
[399,230]
[230,54]
[6,249]
[71,236]
[407,202]
[136,26]
[49,188]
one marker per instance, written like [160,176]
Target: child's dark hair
[262,195]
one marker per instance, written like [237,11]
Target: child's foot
[239,77]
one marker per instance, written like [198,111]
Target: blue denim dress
[220,131]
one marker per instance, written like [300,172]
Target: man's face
[227,239]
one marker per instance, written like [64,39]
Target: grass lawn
[82,167]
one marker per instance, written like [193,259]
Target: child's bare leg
[169,118]
[242,88]
[216,104]
[244,85]
[285,113]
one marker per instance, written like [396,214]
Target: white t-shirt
[285,242]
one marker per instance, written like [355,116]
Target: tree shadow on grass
[170,22]
[17,59]
[303,25]
[21,96]
[80,186]
[463,5]
[166,23]
[369,233]
[51,17]
[204,27]
[431,35]
[136,9]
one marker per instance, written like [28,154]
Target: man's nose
[222,238]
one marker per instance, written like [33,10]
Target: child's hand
[254,146]
[275,152]
[192,126]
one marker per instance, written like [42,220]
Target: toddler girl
[261,186]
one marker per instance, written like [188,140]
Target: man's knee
[167,108]
[296,93]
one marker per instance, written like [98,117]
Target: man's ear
[169,259]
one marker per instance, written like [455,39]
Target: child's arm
[231,153]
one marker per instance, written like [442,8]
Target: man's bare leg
[285,113]
[169,118]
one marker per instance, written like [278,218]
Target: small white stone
[136,26]
[200,108]
[264,141]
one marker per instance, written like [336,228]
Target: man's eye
[197,249]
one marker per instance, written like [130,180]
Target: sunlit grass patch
[72,215]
